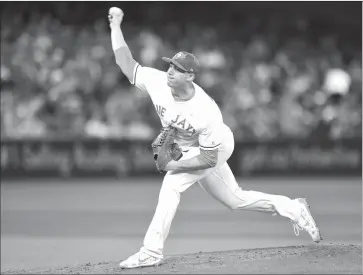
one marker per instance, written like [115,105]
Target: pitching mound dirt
[312,259]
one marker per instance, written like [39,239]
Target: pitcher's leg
[222,185]
[169,197]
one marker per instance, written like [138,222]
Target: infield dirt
[309,259]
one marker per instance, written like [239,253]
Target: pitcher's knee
[233,200]
[231,206]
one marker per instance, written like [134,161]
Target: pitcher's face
[177,77]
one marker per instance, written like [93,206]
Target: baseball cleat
[140,259]
[306,222]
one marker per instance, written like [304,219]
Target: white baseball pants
[221,184]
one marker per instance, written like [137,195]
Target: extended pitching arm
[122,52]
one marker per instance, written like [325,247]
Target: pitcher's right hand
[115,17]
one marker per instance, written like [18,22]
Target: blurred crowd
[272,77]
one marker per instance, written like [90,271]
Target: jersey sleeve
[145,77]
[210,126]
[209,138]
[210,156]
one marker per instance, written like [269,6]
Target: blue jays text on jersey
[177,121]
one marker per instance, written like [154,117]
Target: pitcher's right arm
[122,52]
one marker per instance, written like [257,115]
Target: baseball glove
[165,149]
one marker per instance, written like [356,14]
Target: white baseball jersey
[199,120]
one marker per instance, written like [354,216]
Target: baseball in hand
[115,16]
[115,11]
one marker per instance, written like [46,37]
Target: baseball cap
[184,61]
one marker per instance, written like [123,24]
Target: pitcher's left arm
[206,159]
[209,142]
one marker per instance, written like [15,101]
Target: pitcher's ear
[191,77]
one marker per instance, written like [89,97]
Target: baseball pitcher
[193,146]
